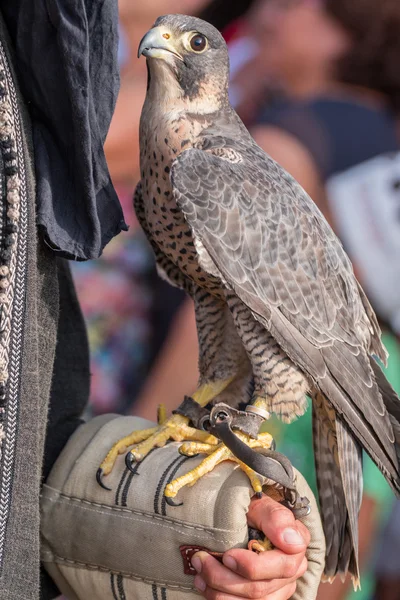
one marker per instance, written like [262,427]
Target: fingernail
[291,536]
[199,583]
[230,563]
[196,563]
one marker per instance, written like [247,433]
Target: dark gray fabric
[19,575]
[66,59]
[37,317]
[70,385]
[71,375]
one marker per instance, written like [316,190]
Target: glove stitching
[163,520]
[92,567]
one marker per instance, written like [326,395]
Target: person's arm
[175,373]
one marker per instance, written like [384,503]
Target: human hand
[271,575]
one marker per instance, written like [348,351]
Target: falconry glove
[129,543]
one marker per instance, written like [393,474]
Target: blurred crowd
[318,84]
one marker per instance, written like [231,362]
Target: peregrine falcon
[279,311]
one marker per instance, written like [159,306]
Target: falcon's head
[188,58]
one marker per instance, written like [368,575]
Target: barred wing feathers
[274,249]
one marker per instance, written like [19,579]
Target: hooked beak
[157,43]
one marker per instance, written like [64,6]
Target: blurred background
[317,82]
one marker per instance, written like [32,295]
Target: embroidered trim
[13,254]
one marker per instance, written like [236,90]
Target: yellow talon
[209,391]
[207,465]
[216,455]
[175,428]
[161,414]
[121,447]
[255,480]
[193,448]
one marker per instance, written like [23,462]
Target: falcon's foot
[175,428]
[216,455]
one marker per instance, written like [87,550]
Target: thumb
[279,525]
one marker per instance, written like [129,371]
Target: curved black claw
[130,461]
[188,455]
[99,478]
[171,502]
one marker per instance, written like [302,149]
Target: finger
[215,576]
[279,525]
[273,564]
[283,594]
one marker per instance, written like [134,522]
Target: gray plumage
[276,298]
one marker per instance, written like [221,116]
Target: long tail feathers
[356,392]
[338,462]
[350,460]
[338,458]
[359,409]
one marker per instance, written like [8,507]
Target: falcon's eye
[198,42]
